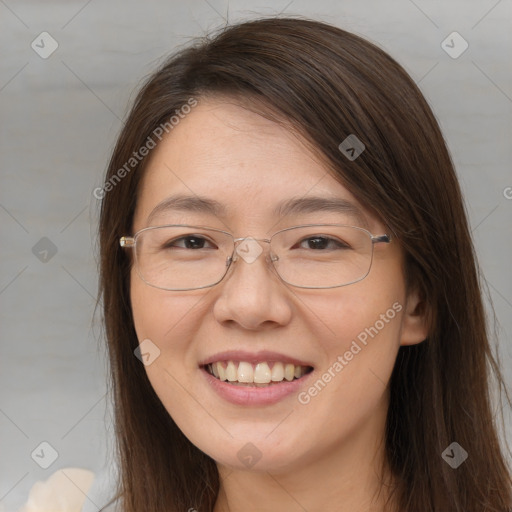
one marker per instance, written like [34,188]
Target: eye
[188,242]
[323,242]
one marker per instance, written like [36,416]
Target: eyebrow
[294,206]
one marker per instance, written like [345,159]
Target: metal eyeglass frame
[129,242]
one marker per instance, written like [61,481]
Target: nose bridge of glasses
[249,249]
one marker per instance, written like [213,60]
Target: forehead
[246,163]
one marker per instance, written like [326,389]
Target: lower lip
[248,395]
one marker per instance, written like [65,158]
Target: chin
[251,454]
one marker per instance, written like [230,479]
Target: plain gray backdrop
[60,115]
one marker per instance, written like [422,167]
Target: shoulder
[65,489]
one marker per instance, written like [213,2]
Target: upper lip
[252,357]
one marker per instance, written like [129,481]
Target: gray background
[59,120]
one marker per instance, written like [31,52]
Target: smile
[261,374]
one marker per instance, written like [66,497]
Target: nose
[252,294]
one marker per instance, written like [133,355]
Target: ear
[415,320]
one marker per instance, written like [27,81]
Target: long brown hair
[327,84]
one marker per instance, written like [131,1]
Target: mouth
[259,374]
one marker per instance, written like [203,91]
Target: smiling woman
[290,292]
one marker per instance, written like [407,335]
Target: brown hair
[327,83]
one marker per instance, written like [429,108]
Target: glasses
[180,257]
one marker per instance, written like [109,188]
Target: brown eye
[189,242]
[322,242]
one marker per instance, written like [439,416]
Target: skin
[327,454]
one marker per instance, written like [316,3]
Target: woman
[290,293]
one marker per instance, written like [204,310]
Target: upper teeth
[261,373]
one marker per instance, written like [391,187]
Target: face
[349,336]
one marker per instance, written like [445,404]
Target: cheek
[350,391]
[161,315]
[368,342]
[359,334]
[360,328]
[169,322]
[368,310]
